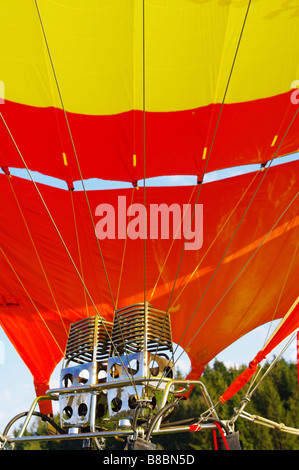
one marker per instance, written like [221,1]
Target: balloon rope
[66,248]
[74,149]
[265,173]
[144,199]
[275,360]
[242,218]
[123,255]
[170,248]
[214,240]
[211,146]
[255,375]
[209,153]
[83,185]
[234,281]
[167,310]
[31,300]
[36,252]
[78,247]
[117,296]
[282,290]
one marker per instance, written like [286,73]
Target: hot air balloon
[112,280]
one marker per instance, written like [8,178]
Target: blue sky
[16,384]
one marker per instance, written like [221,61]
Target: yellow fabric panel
[97,52]
[91,47]
[22,57]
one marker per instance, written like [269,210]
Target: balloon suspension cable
[37,254]
[130,362]
[143,411]
[239,411]
[250,392]
[236,278]
[214,240]
[209,154]
[60,237]
[275,360]
[227,86]
[265,171]
[74,149]
[144,150]
[37,189]
[281,292]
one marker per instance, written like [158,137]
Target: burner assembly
[129,362]
[118,380]
[85,363]
[141,354]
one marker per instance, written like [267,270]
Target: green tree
[276,398]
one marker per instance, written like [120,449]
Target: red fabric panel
[174,141]
[41,390]
[287,328]
[54,295]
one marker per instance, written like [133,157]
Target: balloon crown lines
[157,221]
